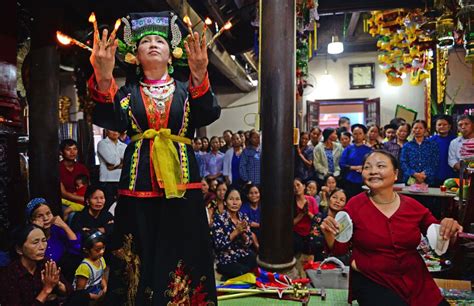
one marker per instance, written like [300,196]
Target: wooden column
[277,98]
[43,101]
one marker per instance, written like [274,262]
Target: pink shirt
[303,227]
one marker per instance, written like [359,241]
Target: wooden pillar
[43,101]
[277,98]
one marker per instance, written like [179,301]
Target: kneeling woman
[233,238]
[30,280]
[386,268]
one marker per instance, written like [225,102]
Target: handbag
[337,278]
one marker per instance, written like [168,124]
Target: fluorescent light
[335,46]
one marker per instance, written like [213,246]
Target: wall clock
[362,76]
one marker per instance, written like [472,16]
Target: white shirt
[110,153]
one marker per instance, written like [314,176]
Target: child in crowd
[330,185]
[81,182]
[312,190]
[90,275]
[337,201]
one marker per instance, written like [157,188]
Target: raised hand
[196,51]
[103,58]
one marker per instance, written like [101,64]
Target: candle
[117,25]
[93,20]
[188,23]
[207,22]
[67,40]
[315,35]
[226,26]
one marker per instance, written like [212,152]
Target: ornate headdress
[165,24]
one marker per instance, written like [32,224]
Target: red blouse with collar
[384,249]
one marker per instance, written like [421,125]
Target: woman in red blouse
[386,267]
[305,210]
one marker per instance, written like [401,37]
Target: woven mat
[334,297]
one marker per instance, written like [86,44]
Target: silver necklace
[159,93]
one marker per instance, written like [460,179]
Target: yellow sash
[165,160]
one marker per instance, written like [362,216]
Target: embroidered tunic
[130,109]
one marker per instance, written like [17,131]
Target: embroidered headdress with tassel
[165,24]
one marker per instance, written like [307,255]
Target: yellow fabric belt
[165,160]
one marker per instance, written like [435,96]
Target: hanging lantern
[466,19]
[445,30]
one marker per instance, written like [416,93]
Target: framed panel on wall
[362,76]
[406,113]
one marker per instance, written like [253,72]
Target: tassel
[315,35]
[310,47]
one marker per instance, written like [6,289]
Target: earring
[170,67]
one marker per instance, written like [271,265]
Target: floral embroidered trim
[200,90]
[180,292]
[124,103]
[132,267]
[185,122]
[99,96]
[133,166]
[140,194]
[184,162]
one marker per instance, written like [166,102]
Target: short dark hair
[393,159]
[343,119]
[346,133]
[422,122]
[447,118]
[407,125]
[67,143]
[227,131]
[397,121]
[337,190]
[360,126]
[390,126]
[90,190]
[229,191]
[19,235]
[466,117]
[90,237]
[83,178]
[315,128]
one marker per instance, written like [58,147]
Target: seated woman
[62,240]
[94,216]
[252,208]
[233,239]
[29,279]
[386,268]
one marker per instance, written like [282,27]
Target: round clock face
[362,75]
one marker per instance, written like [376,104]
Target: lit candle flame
[118,22]
[63,39]
[92,18]
[67,40]
[188,22]
[208,21]
[227,25]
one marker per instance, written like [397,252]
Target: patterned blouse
[228,251]
[420,157]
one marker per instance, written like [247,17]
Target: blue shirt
[213,163]
[253,214]
[330,159]
[301,170]
[199,156]
[353,156]
[249,167]
[417,158]
[444,170]
[235,168]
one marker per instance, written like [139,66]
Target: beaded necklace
[159,92]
